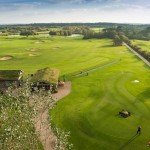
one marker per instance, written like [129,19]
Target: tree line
[139,50]
[21,30]
[138,31]
[110,33]
[60,25]
[119,36]
[135,32]
[69,30]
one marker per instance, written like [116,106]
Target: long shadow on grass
[129,141]
[145,94]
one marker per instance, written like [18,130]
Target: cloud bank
[37,11]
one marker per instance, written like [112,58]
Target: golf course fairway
[90,112]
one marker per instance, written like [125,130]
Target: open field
[97,29]
[145,45]
[90,112]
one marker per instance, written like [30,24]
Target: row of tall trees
[106,33]
[118,37]
[132,32]
[117,41]
[135,32]
[145,54]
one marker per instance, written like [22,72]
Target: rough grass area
[90,112]
[145,45]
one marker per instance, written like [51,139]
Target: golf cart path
[42,126]
[137,54]
[95,68]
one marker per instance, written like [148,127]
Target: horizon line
[73,23]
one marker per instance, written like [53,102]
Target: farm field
[90,112]
[145,45]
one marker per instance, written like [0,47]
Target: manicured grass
[90,111]
[66,54]
[145,45]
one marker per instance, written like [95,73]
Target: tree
[27,33]
[119,29]
[117,41]
[124,38]
[52,33]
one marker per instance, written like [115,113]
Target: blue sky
[36,11]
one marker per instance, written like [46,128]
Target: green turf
[145,45]
[58,52]
[90,111]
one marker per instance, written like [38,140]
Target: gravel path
[42,126]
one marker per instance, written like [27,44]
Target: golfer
[139,130]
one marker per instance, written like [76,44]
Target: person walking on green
[139,130]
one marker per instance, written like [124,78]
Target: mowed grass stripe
[91,111]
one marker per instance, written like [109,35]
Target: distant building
[46,78]
[10,77]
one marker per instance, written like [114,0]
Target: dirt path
[42,126]
[63,91]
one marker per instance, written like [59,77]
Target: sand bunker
[33,50]
[4,58]
[75,35]
[39,42]
[136,81]
[33,55]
